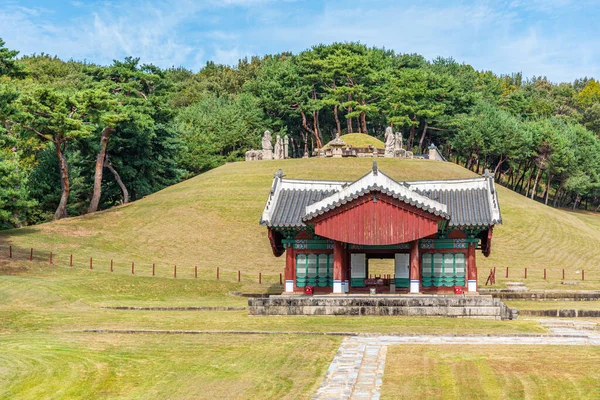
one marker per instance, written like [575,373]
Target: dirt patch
[8,269]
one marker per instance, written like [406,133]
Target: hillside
[360,140]
[212,221]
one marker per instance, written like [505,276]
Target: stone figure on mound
[254,155]
[267,146]
[279,153]
[390,142]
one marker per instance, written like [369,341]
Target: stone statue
[267,146]
[279,148]
[390,142]
[398,141]
[251,155]
[286,147]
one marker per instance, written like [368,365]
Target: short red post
[260,277]
[217,273]
[91,263]
[239,275]
[280,279]
[9,251]
[31,254]
[525,272]
[175,271]
[111,265]
[563,274]
[196,272]
[507,272]
[152,269]
[132,268]
[71,261]
[582,275]
[50,257]
[544,273]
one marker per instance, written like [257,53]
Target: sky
[559,39]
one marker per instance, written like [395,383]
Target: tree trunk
[363,120]
[521,180]
[119,181]
[411,137]
[423,138]
[63,168]
[529,182]
[99,168]
[550,179]
[316,128]
[500,162]
[349,120]
[469,161]
[577,199]
[537,177]
[556,195]
[309,130]
[338,125]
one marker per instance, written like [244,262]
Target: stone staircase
[456,306]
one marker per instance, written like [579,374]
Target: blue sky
[556,38]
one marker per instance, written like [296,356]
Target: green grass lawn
[86,366]
[491,372]
[211,222]
[45,353]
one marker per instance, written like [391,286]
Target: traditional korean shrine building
[329,230]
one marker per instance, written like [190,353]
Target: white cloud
[500,36]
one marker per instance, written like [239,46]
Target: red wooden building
[329,230]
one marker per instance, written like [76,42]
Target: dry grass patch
[491,372]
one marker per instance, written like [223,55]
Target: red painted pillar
[338,266]
[415,268]
[290,269]
[471,269]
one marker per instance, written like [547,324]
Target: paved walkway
[356,371]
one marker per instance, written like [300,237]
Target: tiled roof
[466,202]
[292,204]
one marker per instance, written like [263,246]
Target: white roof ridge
[376,180]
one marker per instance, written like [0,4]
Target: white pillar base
[415,286]
[346,286]
[337,287]
[289,286]
[472,285]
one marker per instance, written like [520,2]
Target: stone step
[448,306]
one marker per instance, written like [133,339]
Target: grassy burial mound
[360,140]
[212,221]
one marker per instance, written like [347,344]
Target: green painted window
[443,269]
[314,270]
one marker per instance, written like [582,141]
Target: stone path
[356,371]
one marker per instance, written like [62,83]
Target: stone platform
[456,306]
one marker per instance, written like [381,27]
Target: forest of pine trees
[77,137]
